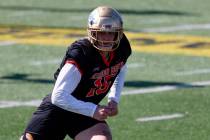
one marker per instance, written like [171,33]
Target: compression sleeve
[67,81]
[115,91]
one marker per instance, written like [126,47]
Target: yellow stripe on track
[142,42]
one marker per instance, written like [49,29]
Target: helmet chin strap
[105,47]
[101,48]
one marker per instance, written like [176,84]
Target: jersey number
[101,86]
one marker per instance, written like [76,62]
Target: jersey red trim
[74,63]
[107,62]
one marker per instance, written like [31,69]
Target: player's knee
[107,134]
[105,131]
[27,136]
[99,131]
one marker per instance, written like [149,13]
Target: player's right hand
[101,113]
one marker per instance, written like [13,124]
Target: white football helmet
[108,20]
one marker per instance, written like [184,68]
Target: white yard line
[160,118]
[45,62]
[7,43]
[165,88]
[135,65]
[6,104]
[178,28]
[58,60]
[193,72]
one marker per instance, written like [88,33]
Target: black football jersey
[98,74]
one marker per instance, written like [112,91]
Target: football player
[91,68]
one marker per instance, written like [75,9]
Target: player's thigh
[99,131]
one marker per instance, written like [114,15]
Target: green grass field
[26,71]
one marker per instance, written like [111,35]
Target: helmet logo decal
[106,26]
[92,20]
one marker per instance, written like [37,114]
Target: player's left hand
[113,106]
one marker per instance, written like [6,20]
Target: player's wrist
[94,110]
[112,99]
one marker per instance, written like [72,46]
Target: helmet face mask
[102,23]
[105,41]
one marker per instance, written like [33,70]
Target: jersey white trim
[116,89]
[68,79]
